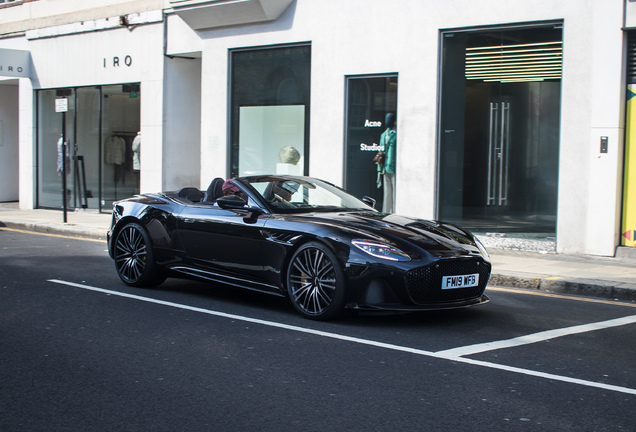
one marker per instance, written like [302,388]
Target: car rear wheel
[315,282]
[134,257]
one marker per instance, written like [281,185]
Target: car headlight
[381,250]
[482,249]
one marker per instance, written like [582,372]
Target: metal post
[64,168]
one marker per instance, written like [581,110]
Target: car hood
[436,238]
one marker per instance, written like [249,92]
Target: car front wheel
[134,257]
[315,282]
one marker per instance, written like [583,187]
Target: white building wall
[182,124]
[214,112]
[590,184]
[48,13]
[363,37]
[366,37]
[27,159]
[111,57]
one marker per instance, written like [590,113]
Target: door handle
[189,220]
[492,162]
[503,164]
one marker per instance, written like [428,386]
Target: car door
[223,241]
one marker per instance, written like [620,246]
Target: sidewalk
[604,277]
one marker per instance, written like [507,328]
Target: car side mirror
[235,202]
[368,201]
[232,202]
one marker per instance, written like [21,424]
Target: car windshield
[302,194]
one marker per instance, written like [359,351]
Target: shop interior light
[515,63]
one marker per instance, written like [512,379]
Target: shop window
[499,129]
[100,127]
[51,164]
[270,110]
[121,121]
[371,130]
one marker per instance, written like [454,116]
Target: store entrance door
[499,135]
[101,124]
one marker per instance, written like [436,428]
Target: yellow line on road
[51,235]
[561,296]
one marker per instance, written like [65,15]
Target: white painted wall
[590,183]
[182,130]
[112,57]
[361,37]
[369,37]
[25,16]
[28,165]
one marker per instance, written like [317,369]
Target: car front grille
[424,284]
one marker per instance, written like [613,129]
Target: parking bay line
[446,354]
[535,337]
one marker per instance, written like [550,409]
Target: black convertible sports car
[298,237]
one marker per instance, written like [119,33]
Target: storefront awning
[15,63]
[207,14]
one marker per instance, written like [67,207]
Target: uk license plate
[460,281]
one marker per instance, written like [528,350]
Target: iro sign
[15,63]
[118,61]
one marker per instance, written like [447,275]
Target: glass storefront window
[121,121]
[50,154]
[370,129]
[101,126]
[86,149]
[499,130]
[270,110]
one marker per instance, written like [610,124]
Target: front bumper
[418,288]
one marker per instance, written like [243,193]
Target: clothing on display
[136,149]
[60,161]
[388,139]
[118,152]
[115,150]
[388,206]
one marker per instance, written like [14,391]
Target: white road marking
[377,344]
[536,337]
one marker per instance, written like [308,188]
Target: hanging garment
[60,160]
[115,150]
[136,148]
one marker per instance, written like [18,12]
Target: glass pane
[120,125]
[50,160]
[272,140]
[499,138]
[270,111]
[86,150]
[369,101]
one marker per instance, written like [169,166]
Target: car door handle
[188,220]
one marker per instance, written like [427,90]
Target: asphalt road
[80,351]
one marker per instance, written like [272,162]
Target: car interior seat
[190,193]
[214,190]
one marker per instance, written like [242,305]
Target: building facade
[509,118]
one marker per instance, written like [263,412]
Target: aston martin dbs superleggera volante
[298,237]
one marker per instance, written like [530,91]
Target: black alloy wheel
[315,282]
[134,258]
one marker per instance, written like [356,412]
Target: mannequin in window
[136,148]
[388,139]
